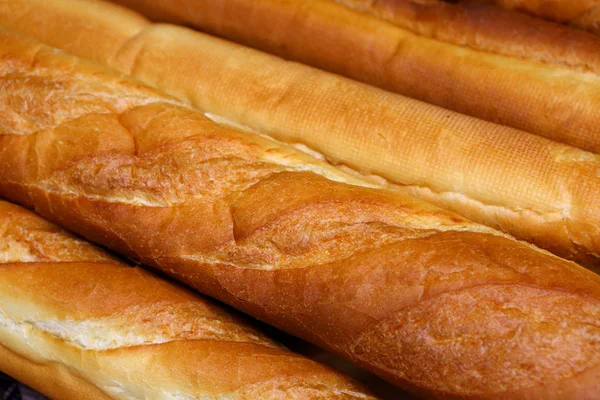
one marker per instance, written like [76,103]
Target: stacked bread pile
[397,234]
[76,323]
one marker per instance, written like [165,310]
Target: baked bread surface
[537,82]
[532,188]
[76,323]
[428,300]
[584,14]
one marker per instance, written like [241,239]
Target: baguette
[489,29]
[527,186]
[426,52]
[75,323]
[428,300]
[583,14]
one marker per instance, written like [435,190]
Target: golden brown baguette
[584,14]
[532,188]
[489,29]
[550,98]
[428,300]
[75,323]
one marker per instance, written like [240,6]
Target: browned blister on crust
[417,294]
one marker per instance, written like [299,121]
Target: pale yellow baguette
[426,299]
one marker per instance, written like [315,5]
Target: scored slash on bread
[428,300]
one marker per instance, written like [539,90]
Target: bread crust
[76,323]
[529,187]
[583,14]
[548,99]
[484,27]
[53,380]
[417,294]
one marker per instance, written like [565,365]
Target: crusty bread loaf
[428,300]
[75,323]
[584,14]
[427,56]
[532,188]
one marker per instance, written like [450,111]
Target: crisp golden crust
[129,331]
[535,189]
[86,20]
[551,100]
[28,238]
[532,188]
[380,277]
[584,14]
[116,321]
[53,379]
[489,29]
[240,370]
